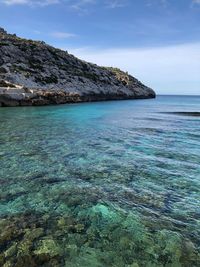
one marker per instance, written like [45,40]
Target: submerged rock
[34,73]
[48,247]
[121,241]
[185,113]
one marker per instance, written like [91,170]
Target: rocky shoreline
[24,97]
[34,73]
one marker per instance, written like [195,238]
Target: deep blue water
[101,184]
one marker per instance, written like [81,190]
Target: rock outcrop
[34,73]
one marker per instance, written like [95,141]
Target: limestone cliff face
[34,73]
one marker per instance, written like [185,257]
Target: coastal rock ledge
[34,73]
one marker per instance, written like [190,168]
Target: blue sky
[158,41]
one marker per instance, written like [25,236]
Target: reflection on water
[111,184]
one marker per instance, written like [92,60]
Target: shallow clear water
[101,184]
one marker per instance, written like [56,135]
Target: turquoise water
[109,184]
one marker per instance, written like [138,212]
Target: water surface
[109,184]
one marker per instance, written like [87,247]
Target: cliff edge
[34,73]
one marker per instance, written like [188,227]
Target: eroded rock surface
[34,73]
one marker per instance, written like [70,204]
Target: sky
[157,41]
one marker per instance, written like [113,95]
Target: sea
[102,184]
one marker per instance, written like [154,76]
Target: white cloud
[84,6]
[163,3]
[173,69]
[81,4]
[196,2]
[62,35]
[116,3]
[30,2]
[47,2]
[36,32]
[15,2]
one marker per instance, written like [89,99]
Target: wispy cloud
[163,3]
[36,32]
[172,69]
[81,5]
[196,2]
[30,2]
[116,3]
[84,6]
[62,35]
[15,2]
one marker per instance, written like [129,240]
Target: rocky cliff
[34,73]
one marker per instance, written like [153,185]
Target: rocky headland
[34,73]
